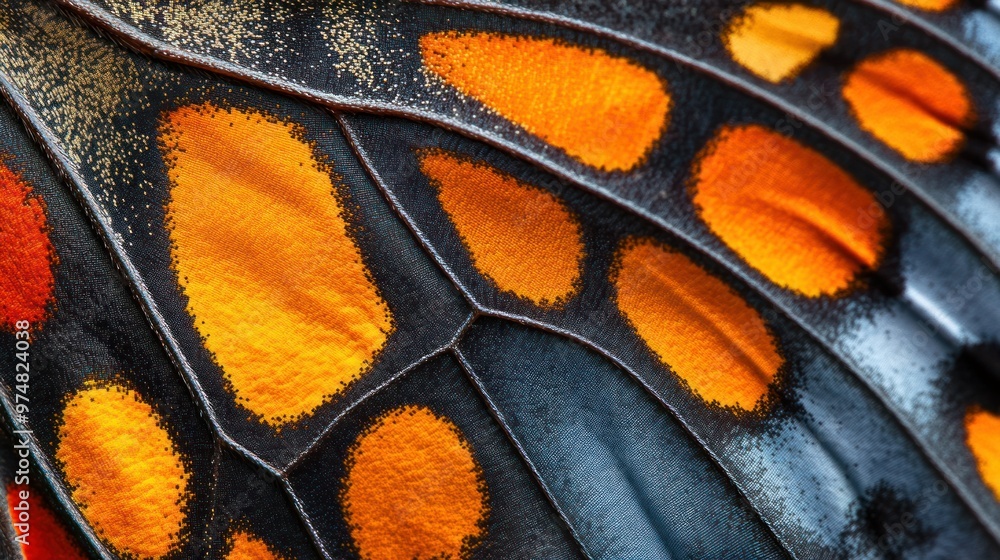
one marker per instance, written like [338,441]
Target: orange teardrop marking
[913,104]
[604,110]
[982,431]
[776,41]
[27,281]
[413,489]
[274,280]
[520,236]
[697,325]
[787,210]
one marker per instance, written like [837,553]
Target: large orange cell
[414,489]
[697,325]
[273,278]
[911,103]
[776,41]
[520,236]
[604,110]
[123,468]
[787,210]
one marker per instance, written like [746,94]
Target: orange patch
[244,546]
[909,101]
[698,327]
[47,539]
[26,278]
[520,236]
[930,5]
[776,41]
[273,278]
[124,470]
[603,110]
[982,431]
[413,489]
[788,211]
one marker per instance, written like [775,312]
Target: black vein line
[352,140]
[480,309]
[940,467]
[903,16]
[379,389]
[126,268]
[300,511]
[51,477]
[498,417]
[156,48]
[677,416]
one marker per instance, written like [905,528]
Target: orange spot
[124,470]
[413,489]
[695,324]
[520,236]
[604,110]
[983,438]
[245,546]
[930,5]
[913,104]
[47,539]
[790,212]
[776,41]
[262,250]
[26,279]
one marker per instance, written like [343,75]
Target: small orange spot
[244,546]
[909,101]
[790,212]
[520,236]
[776,41]
[47,538]
[698,327]
[413,489]
[124,470]
[604,110]
[930,5]
[26,278]
[983,438]
[274,280]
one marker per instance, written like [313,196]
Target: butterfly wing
[630,294]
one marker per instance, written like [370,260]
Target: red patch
[26,278]
[47,538]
